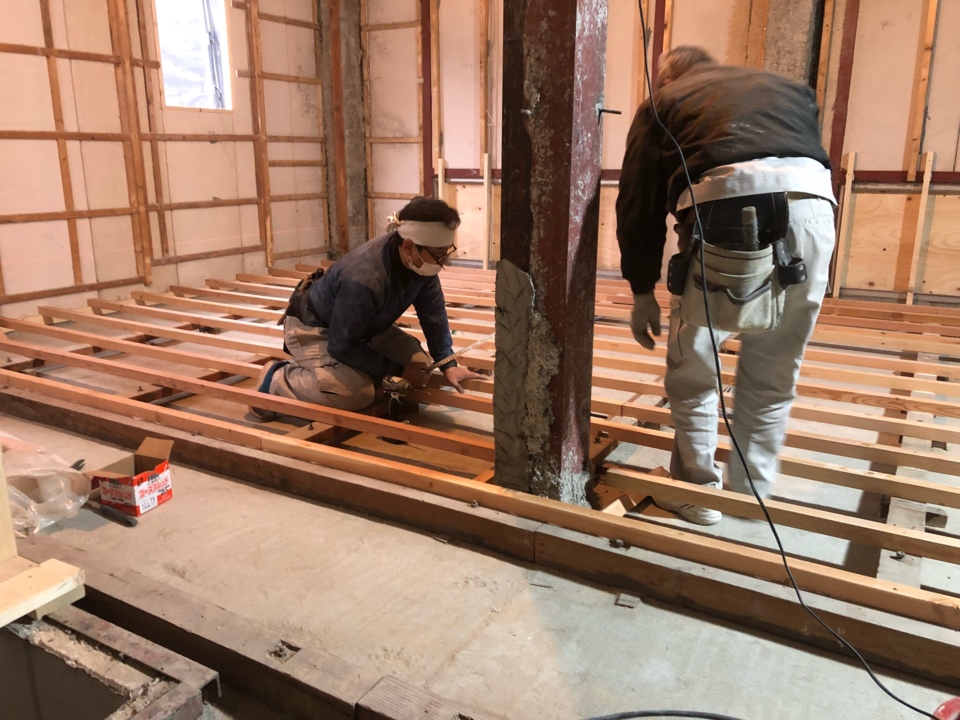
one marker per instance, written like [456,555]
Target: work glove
[646,313]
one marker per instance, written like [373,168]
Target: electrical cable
[666,713]
[698,228]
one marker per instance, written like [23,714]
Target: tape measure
[458,353]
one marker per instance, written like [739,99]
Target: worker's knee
[359,397]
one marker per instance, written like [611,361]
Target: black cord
[698,227]
[666,713]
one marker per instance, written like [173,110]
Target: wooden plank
[854,529]
[173,333]
[133,348]
[923,222]
[63,215]
[8,545]
[258,112]
[132,146]
[279,77]
[49,51]
[921,92]
[826,44]
[66,180]
[462,444]
[152,128]
[841,104]
[757,33]
[199,321]
[38,586]
[190,257]
[144,297]
[339,126]
[436,136]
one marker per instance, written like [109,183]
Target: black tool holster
[299,305]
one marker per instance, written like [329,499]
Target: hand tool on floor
[108,512]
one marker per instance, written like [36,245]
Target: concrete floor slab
[465,624]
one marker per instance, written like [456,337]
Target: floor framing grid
[186,360]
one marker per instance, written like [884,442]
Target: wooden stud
[152,127]
[838,129]
[372,223]
[823,63]
[65,178]
[923,222]
[757,33]
[339,127]
[921,89]
[173,259]
[844,240]
[8,544]
[259,117]
[667,24]
[130,126]
[49,51]
[277,77]
[436,134]
[646,35]
[487,211]
[425,87]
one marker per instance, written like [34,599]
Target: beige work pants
[313,376]
[767,370]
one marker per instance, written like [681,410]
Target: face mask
[426,269]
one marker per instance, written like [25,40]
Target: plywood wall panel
[277,98]
[304,109]
[460,83]
[68,99]
[249,225]
[21,23]
[201,171]
[311,224]
[943,110]
[306,151]
[206,229]
[884,227]
[273,40]
[282,181]
[246,176]
[301,9]
[620,86]
[285,227]
[941,270]
[88,25]
[394,84]
[24,93]
[720,26]
[193,120]
[309,179]
[196,272]
[88,265]
[390,11]
[392,165]
[104,175]
[237,41]
[113,248]
[273,7]
[300,49]
[77,181]
[36,256]
[242,119]
[882,83]
[30,177]
[95,91]
[382,209]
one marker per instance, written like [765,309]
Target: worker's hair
[428,209]
[681,60]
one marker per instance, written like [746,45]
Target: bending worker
[339,331]
[750,139]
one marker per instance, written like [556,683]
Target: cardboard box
[139,482]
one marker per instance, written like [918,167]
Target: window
[194,55]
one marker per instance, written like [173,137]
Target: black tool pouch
[299,305]
[790,270]
[677,270]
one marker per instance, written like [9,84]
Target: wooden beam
[132,146]
[152,127]
[60,292]
[823,63]
[844,236]
[258,112]
[461,444]
[278,77]
[914,284]
[436,125]
[424,88]
[37,586]
[854,529]
[841,104]
[757,33]
[339,126]
[921,89]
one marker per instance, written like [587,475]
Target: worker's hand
[416,374]
[456,374]
[646,313]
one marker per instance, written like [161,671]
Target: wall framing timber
[168,355]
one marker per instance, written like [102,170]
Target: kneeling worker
[339,331]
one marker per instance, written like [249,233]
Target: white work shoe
[691,513]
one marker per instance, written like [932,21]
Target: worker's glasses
[438,259]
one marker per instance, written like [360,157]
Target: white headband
[426,234]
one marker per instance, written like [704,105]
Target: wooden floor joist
[240,316]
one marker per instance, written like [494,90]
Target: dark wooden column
[552,92]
